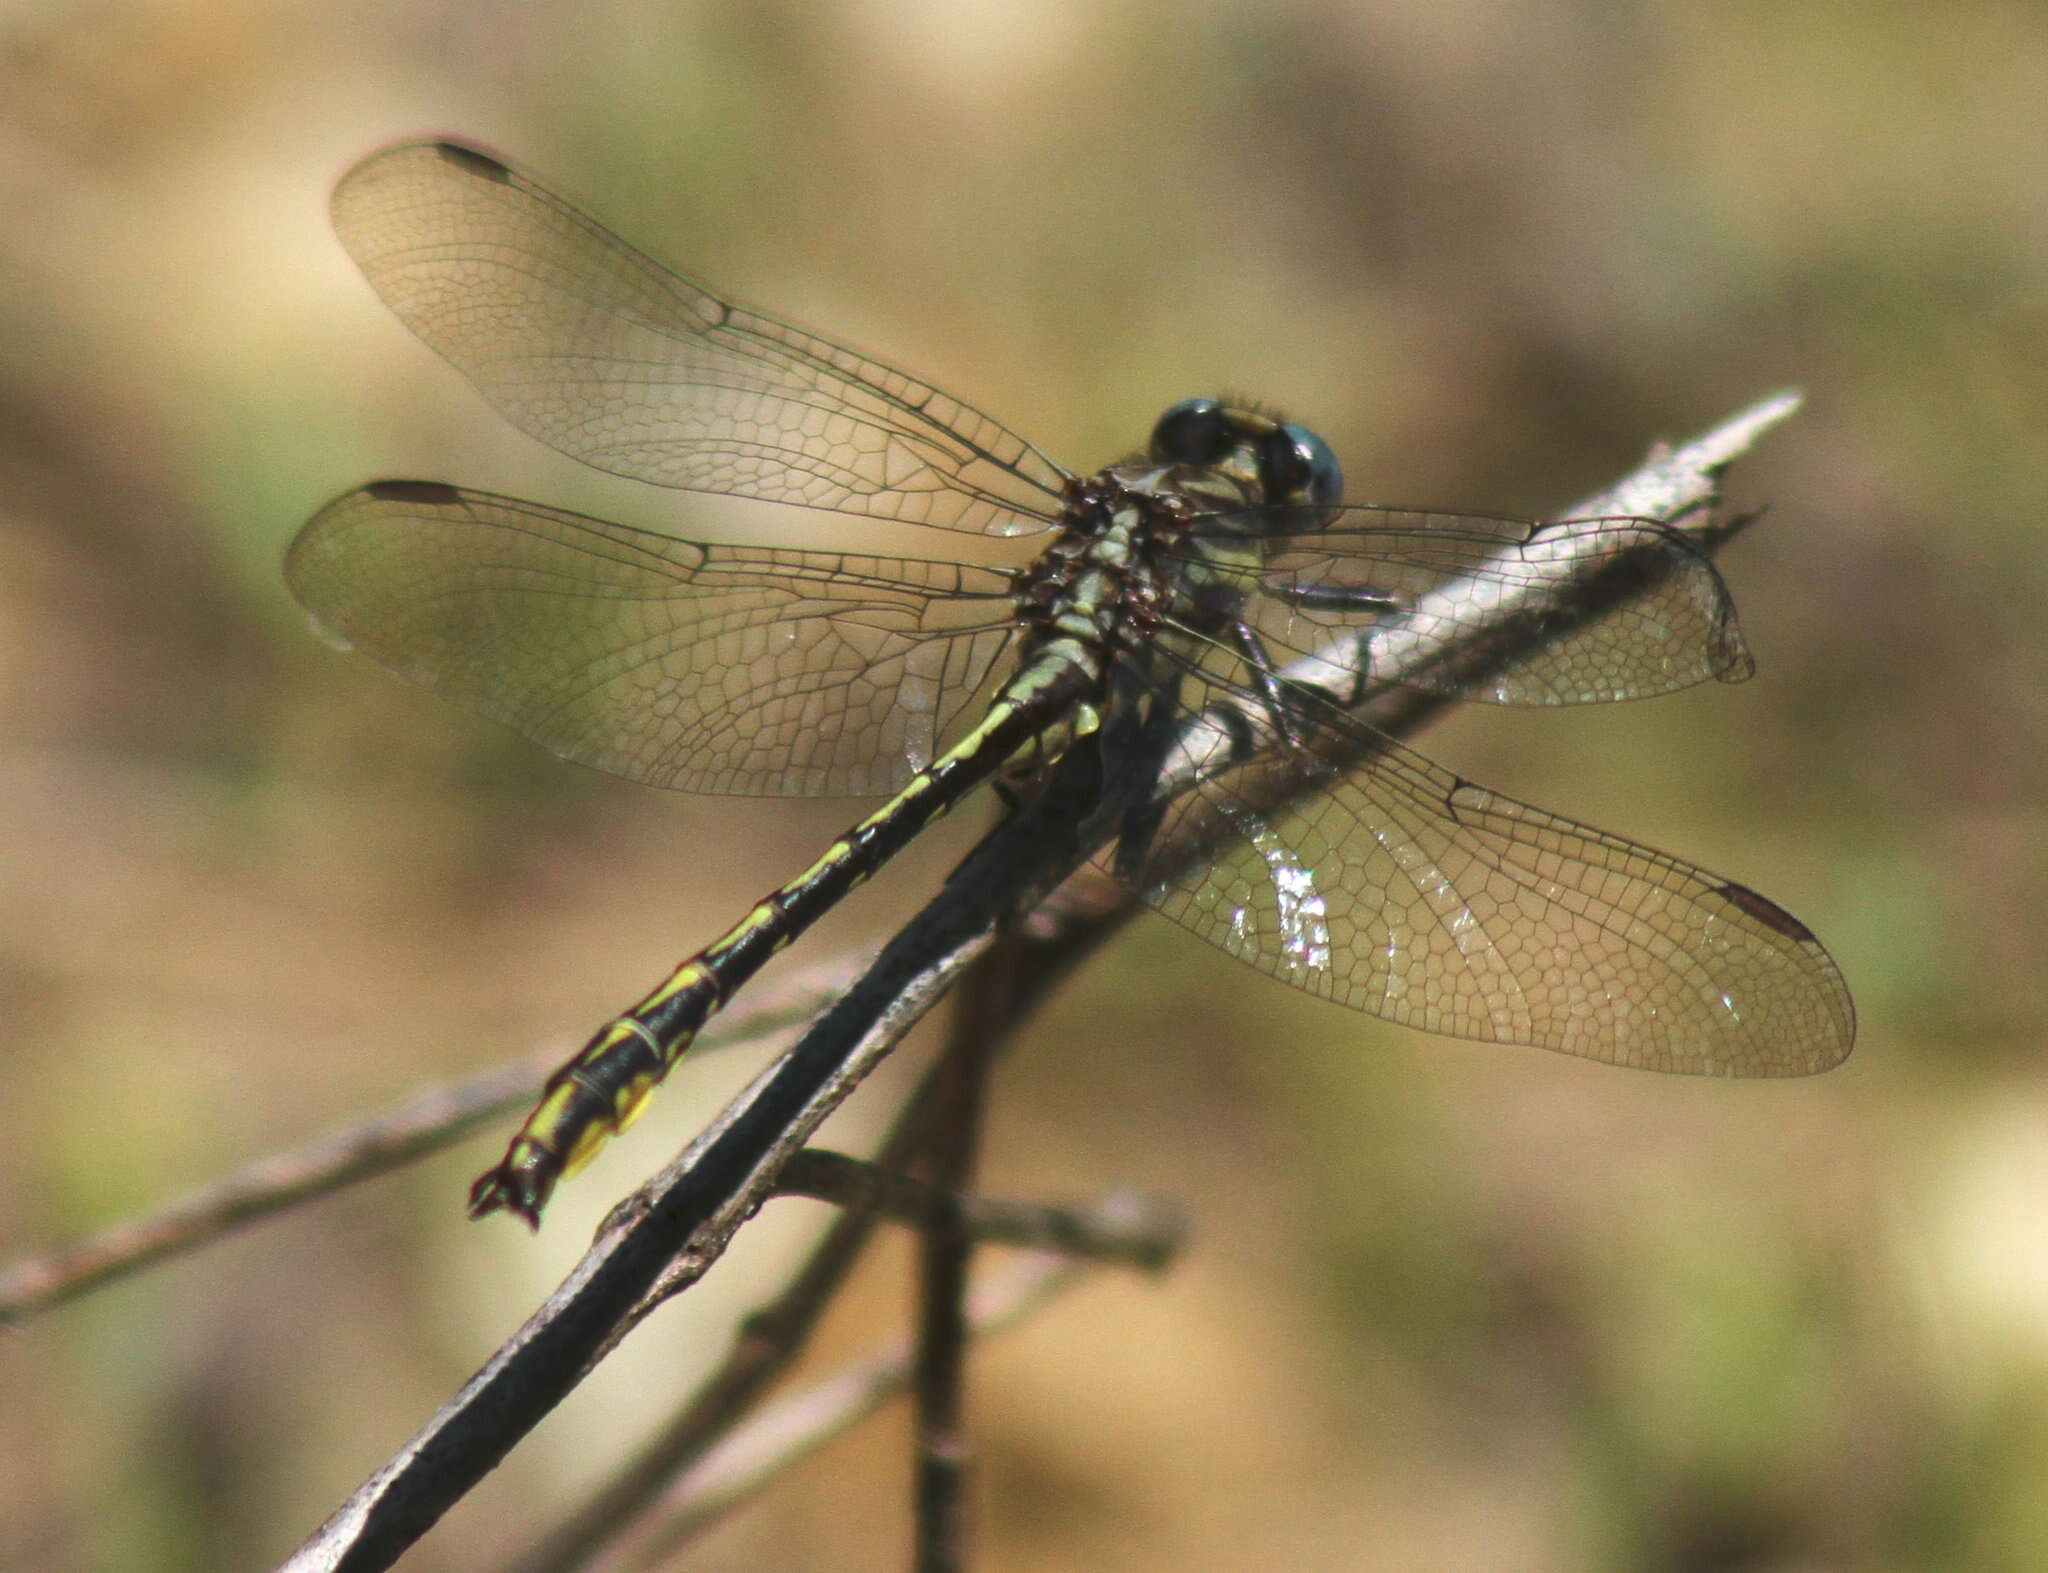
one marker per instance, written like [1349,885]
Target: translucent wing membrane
[606,355]
[1402,890]
[706,668]
[1417,587]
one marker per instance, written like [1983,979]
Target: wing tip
[471,160]
[1836,1046]
[1755,904]
[432,494]
[464,156]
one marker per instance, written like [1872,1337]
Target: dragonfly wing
[1402,890]
[1576,611]
[705,668]
[603,353]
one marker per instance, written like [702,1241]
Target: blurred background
[1448,1307]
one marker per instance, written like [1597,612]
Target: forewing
[608,356]
[1399,889]
[705,668]
[1574,611]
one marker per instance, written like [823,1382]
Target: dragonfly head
[1273,462]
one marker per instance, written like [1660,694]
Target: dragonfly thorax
[1123,562]
[1128,559]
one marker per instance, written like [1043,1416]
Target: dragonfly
[1211,611]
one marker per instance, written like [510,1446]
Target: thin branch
[683,1219]
[1133,1231]
[785,1433]
[423,1124]
[942,1451]
[1122,1229]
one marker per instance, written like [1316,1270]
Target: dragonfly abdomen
[602,1090]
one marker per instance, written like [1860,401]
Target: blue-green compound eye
[1194,431]
[1295,465]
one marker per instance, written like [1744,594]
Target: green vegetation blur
[1449,1307]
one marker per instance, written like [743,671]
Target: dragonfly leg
[1282,713]
[1354,600]
[1344,600]
[1133,753]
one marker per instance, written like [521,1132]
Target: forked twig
[1127,1230]
[794,1428]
